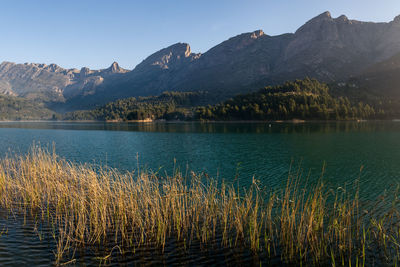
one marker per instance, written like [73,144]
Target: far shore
[294,121]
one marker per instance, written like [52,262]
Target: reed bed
[90,206]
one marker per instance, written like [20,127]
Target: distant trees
[168,106]
[300,99]
[15,108]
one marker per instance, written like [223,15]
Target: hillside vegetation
[301,99]
[13,108]
[168,106]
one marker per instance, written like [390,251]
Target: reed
[90,206]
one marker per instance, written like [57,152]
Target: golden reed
[101,206]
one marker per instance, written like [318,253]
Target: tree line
[168,106]
[306,99]
[300,99]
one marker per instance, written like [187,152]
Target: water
[21,246]
[226,150]
[222,150]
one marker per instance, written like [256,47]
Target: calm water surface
[223,150]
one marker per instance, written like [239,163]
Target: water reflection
[216,127]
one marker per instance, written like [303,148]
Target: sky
[95,33]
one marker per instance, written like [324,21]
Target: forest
[167,106]
[14,108]
[300,99]
[306,99]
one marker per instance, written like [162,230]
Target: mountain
[51,83]
[151,77]
[326,48]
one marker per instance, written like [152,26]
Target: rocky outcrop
[51,83]
[172,57]
[33,80]
[114,68]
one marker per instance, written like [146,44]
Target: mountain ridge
[326,48]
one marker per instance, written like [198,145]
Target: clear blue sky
[94,33]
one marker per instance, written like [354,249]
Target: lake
[226,150]
[229,151]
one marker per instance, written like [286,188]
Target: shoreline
[296,121]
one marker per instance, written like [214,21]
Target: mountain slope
[51,83]
[14,108]
[381,79]
[325,48]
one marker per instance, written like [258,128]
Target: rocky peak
[342,18]
[54,68]
[169,57]
[396,19]
[180,50]
[84,72]
[326,16]
[237,43]
[115,68]
[323,16]
[257,34]
[315,23]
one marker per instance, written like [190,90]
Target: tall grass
[89,206]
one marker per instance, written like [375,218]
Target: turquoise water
[230,151]
[226,150]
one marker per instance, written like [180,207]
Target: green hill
[14,108]
[301,99]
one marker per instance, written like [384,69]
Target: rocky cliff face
[155,73]
[172,57]
[325,48]
[34,80]
[330,49]
[235,64]
[51,82]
